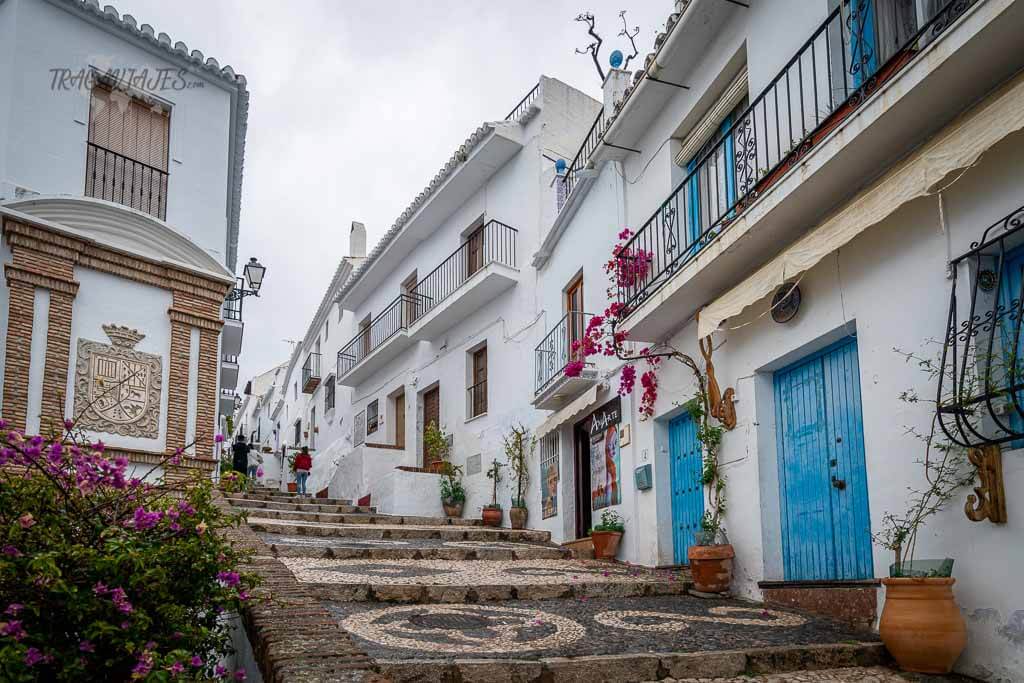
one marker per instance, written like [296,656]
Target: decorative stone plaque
[117,389]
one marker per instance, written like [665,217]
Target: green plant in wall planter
[519,446]
[492,511]
[607,535]
[453,494]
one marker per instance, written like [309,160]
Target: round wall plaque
[785,303]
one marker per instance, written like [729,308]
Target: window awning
[957,147]
[586,400]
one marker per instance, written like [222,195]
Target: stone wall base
[851,602]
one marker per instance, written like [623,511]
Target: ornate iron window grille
[980,396]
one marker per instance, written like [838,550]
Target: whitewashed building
[857,157]
[253,421]
[120,185]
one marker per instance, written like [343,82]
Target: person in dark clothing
[240,455]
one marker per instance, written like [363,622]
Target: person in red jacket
[303,464]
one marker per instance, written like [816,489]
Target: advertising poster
[605,482]
[549,487]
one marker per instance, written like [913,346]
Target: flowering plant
[105,575]
[232,482]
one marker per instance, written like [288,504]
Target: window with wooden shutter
[127,156]
[431,413]
[478,387]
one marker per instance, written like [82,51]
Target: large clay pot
[518,517]
[921,624]
[492,516]
[606,544]
[711,567]
[453,509]
[292,487]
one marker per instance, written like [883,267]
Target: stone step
[357,517]
[396,531]
[285,497]
[416,549]
[472,581]
[299,507]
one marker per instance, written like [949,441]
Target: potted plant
[492,511]
[293,487]
[519,445]
[606,535]
[453,494]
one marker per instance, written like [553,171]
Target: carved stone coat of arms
[117,389]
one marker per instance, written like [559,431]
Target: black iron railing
[477,397]
[839,66]
[980,395]
[232,309]
[394,319]
[524,104]
[311,372]
[555,351]
[117,178]
[226,358]
[582,157]
[493,243]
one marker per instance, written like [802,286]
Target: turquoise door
[686,461]
[863,48]
[823,493]
[1009,366]
[711,190]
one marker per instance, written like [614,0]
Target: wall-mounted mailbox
[642,477]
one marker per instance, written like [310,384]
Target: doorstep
[582,548]
[854,602]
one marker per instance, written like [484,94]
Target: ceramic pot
[518,517]
[711,567]
[606,544]
[921,624]
[292,487]
[492,516]
[453,509]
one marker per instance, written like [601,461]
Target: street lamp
[254,271]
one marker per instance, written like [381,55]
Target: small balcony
[226,403]
[311,373]
[117,178]
[377,343]
[475,273]
[229,372]
[553,389]
[231,333]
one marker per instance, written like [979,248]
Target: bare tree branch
[625,32]
[593,48]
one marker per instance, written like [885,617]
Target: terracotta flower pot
[492,516]
[606,544]
[453,509]
[921,624]
[711,567]
[292,487]
[518,517]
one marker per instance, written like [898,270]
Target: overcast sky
[355,105]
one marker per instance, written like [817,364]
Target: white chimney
[615,84]
[357,240]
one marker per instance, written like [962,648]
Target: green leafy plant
[710,437]
[494,474]
[519,446]
[232,482]
[610,521]
[452,490]
[435,443]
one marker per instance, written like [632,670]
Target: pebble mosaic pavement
[872,674]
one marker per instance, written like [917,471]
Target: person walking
[253,471]
[303,465]
[240,455]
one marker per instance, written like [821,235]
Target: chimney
[357,240]
[615,84]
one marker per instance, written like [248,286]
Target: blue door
[823,492]
[710,191]
[863,49]
[1009,366]
[686,460]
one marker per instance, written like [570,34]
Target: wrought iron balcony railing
[232,309]
[980,395]
[840,65]
[493,243]
[555,351]
[394,319]
[524,104]
[311,373]
[477,397]
[227,358]
[117,178]
[582,157]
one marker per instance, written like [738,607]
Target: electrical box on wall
[642,477]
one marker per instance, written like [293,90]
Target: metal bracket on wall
[989,499]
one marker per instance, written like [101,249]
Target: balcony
[229,372]
[226,404]
[478,271]
[231,333]
[379,342]
[573,174]
[117,178]
[311,373]
[844,107]
[552,388]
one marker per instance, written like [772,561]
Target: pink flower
[69,424]
[11,551]
[240,675]
[14,608]
[177,668]
[86,646]
[219,438]
[33,656]
[12,629]
[201,528]
[197,661]
[26,521]
[574,368]
[243,596]
[229,579]
[220,671]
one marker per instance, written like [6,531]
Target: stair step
[396,531]
[354,551]
[282,497]
[358,517]
[300,507]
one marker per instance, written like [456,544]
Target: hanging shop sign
[605,480]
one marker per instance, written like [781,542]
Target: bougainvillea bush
[104,577]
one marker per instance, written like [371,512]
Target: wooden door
[431,414]
[686,460]
[400,420]
[574,309]
[364,340]
[581,453]
[475,252]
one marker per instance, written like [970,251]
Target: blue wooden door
[686,460]
[863,47]
[826,528]
[712,189]
[1008,364]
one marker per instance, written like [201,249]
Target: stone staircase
[443,599]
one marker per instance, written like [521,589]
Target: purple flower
[120,600]
[220,439]
[12,629]
[100,588]
[86,646]
[33,656]
[145,520]
[125,625]
[26,521]
[143,667]
[3,424]
[69,424]
[177,668]
[11,551]
[240,675]
[243,596]
[197,661]
[229,579]
[220,671]
[14,608]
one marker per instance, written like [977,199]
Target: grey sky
[356,105]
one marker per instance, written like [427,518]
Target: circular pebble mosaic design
[464,629]
[667,622]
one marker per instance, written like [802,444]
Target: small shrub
[610,521]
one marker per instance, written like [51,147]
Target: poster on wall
[605,482]
[549,475]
